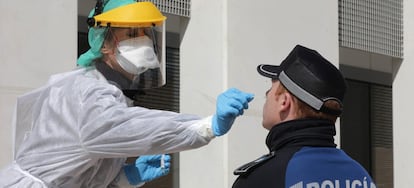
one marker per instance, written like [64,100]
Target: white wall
[221,47]
[403,93]
[38,39]
[202,59]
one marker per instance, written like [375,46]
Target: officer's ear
[285,101]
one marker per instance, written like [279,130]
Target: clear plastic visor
[140,53]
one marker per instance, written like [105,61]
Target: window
[366,129]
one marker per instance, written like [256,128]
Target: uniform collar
[301,132]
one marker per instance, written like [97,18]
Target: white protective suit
[77,131]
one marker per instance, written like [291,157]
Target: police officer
[300,111]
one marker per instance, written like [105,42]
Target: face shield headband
[98,10]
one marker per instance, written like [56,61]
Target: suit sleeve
[109,128]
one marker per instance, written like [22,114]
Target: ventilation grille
[177,7]
[372,25]
[168,96]
[381,116]
[381,136]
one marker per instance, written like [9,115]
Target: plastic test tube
[162,161]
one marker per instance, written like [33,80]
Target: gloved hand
[147,168]
[230,104]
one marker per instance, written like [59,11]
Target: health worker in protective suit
[79,129]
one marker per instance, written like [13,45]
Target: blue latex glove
[147,168]
[230,104]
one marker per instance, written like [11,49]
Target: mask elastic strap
[115,39]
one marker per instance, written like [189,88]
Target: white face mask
[136,55]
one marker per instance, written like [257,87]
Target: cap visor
[270,71]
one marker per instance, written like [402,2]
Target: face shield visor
[136,32]
[139,51]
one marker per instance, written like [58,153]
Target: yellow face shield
[137,30]
[140,14]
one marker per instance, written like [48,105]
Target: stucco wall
[221,47]
[403,93]
[38,39]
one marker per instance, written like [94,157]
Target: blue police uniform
[303,155]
